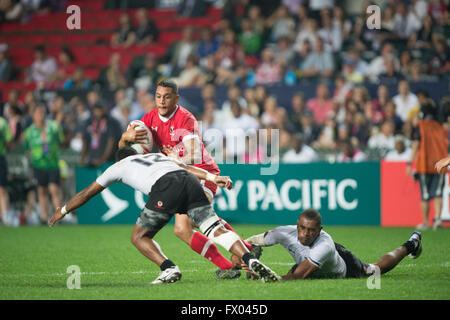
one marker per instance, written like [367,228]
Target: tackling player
[171,189]
[175,131]
[318,256]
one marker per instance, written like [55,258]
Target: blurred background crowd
[335,89]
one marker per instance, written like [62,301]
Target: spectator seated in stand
[113,77]
[7,69]
[144,69]
[383,140]
[191,75]
[145,32]
[77,81]
[319,63]
[401,151]
[124,35]
[349,153]
[300,152]
[43,69]
[322,105]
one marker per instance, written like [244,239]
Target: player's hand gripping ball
[145,147]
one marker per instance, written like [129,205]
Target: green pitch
[34,261]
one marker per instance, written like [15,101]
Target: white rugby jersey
[139,171]
[322,253]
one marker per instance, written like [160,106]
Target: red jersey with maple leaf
[172,130]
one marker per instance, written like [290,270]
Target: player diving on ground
[317,256]
[172,187]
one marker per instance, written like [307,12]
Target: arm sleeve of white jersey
[274,236]
[320,253]
[110,176]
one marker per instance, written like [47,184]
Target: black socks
[246,257]
[166,265]
[410,246]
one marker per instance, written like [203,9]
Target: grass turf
[34,260]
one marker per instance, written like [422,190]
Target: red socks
[205,247]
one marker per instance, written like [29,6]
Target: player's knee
[181,231]
[53,188]
[213,229]
[136,236]
[226,238]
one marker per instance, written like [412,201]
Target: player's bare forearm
[77,201]
[223,182]
[122,142]
[303,270]
[198,172]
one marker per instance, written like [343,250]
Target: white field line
[101,273]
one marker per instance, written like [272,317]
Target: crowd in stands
[255,45]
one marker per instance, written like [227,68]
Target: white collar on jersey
[164,119]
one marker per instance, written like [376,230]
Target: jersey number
[154,158]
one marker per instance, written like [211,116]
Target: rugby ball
[141,148]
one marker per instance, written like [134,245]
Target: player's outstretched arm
[302,271]
[257,239]
[223,182]
[441,164]
[77,201]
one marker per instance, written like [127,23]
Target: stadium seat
[170,36]
[90,46]
[91,73]
[5,87]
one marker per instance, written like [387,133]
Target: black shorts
[44,177]
[176,192]
[431,185]
[3,172]
[355,267]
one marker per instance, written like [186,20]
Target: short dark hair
[428,109]
[168,84]
[40,106]
[124,152]
[312,214]
[99,105]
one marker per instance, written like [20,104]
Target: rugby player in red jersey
[175,131]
